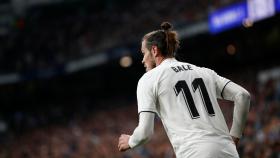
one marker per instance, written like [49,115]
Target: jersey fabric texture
[185,96]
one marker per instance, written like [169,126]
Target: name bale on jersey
[181,68]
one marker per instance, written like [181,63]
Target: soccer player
[184,96]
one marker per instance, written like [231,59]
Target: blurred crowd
[94,133]
[51,35]
[95,136]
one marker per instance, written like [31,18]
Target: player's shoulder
[207,69]
[203,69]
[148,76]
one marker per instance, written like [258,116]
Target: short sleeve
[220,83]
[146,98]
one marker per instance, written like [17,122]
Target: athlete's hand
[123,142]
[235,140]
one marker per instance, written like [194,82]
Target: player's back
[187,105]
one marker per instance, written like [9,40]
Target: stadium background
[64,93]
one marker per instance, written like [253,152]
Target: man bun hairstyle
[165,39]
[166,26]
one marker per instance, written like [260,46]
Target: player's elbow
[245,95]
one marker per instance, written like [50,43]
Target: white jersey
[185,96]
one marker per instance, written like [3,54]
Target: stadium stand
[53,34]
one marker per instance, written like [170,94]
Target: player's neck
[160,59]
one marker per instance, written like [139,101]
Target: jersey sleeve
[241,99]
[220,83]
[146,98]
[144,131]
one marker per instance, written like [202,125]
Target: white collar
[167,60]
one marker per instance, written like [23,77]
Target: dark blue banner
[227,18]
[277,5]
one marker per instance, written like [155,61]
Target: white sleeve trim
[151,111]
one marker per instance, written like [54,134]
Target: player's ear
[155,51]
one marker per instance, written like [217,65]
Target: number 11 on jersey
[198,83]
